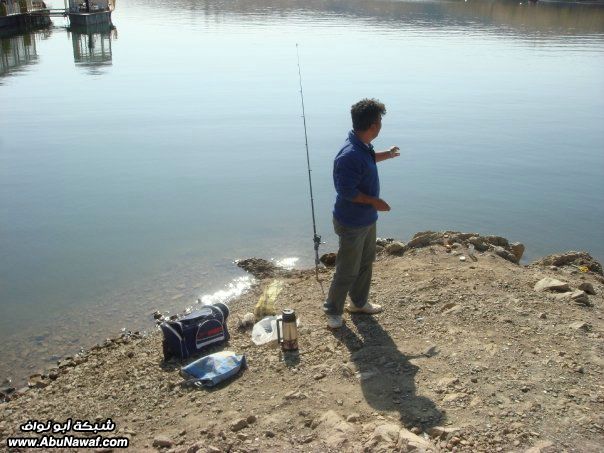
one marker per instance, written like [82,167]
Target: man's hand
[390,153]
[377,203]
[381,205]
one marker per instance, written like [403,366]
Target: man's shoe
[334,321]
[368,308]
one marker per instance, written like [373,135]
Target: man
[357,184]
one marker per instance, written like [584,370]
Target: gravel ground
[466,356]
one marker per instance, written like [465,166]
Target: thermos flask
[287,335]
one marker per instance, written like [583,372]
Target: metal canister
[287,334]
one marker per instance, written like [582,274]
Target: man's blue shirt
[354,171]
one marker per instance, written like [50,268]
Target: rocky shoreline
[473,352]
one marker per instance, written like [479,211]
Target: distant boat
[19,14]
[90,12]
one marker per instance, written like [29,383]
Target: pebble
[353,418]
[163,442]
[307,439]
[238,425]
[441,431]
[579,325]
[247,321]
[157,315]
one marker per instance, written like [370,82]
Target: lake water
[137,163]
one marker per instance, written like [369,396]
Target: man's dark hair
[365,113]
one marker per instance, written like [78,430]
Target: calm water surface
[137,163]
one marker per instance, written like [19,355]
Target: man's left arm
[390,153]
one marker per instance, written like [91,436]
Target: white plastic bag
[265,330]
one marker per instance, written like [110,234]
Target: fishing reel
[317,241]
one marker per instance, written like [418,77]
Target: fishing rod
[316,237]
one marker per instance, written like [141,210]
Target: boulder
[259,268]
[577,296]
[505,254]
[580,297]
[331,420]
[383,439]
[588,288]
[497,241]
[479,243]
[517,249]
[551,284]
[571,258]
[413,442]
[456,236]
[395,248]
[329,259]
[333,429]
[391,437]
[425,238]
[387,433]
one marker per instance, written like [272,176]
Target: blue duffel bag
[190,334]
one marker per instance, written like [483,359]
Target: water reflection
[82,262]
[503,16]
[19,52]
[92,46]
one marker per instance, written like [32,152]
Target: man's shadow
[386,375]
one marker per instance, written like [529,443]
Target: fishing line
[316,237]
